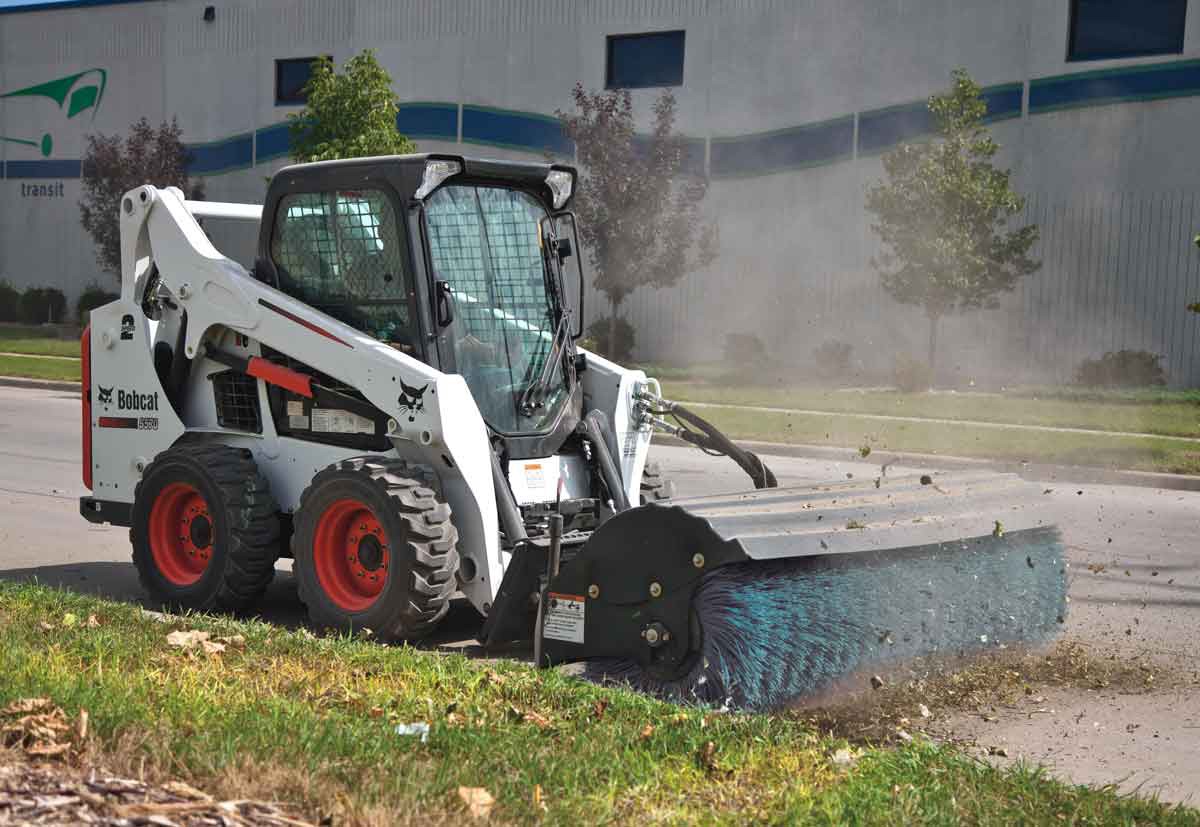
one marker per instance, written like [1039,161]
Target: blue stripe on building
[220,156]
[1003,102]
[518,130]
[55,168]
[692,162]
[882,129]
[743,155]
[272,142]
[433,121]
[1160,80]
[794,148]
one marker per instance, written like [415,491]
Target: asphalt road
[1140,596]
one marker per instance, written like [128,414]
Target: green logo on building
[74,94]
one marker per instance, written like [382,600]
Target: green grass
[41,346]
[36,340]
[34,368]
[311,721]
[1173,418]
[1107,451]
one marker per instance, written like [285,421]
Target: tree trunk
[614,306]
[933,337]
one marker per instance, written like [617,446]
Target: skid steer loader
[393,397]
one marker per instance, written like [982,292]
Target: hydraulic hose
[593,425]
[510,515]
[717,441]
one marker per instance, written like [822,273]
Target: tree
[942,213]
[348,115]
[638,210]
[112,166]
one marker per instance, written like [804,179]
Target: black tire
[414,559]
[655,487]
[229,555]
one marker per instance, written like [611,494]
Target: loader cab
[460,263]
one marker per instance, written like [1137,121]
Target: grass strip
[1105,451]
[34,368]
[289,717]
[1171,418]
[41,347]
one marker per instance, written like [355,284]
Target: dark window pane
[1126,28]
[290,77]
[636,60]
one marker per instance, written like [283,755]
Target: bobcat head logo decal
[105,397]
[412,400]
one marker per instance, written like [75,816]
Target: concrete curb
[39,384]
[1081,474]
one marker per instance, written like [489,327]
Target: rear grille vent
[236,396]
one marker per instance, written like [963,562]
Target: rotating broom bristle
[779,630]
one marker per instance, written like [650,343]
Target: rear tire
[374,548]
[204,529]
[655,487]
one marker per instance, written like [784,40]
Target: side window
[341,252]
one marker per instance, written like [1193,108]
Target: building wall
[789,103]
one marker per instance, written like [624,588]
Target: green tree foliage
[113,165]
[942,212]
[639,212]
[351,114]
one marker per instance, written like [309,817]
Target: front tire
[374,548]
[655,487]
[204,529]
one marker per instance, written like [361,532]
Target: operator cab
[463,264]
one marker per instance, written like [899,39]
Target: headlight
[560,183]
[435,173]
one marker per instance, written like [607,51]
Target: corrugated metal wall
[1118,271]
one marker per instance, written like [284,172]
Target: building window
[640,60]
[1125,28]
[290,77]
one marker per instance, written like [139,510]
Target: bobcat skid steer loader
[393,397]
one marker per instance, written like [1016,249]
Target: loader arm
[444,431]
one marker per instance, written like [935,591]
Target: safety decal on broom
[564,617]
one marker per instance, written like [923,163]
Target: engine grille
[236,396]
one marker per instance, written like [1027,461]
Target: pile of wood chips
[45,789]
[56,795]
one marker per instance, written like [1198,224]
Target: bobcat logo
[412,401]
[105,395]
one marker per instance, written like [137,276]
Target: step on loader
[394,397]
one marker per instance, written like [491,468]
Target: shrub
[1122,369]
[744,349]
[832,359]
[93,296]
[597,332]
[912,376]
[10,301]
[40,305]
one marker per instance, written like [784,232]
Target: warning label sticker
[336,421]
[295,407]
[535,476]
[564,617]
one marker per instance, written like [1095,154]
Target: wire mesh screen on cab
[485,243]
[340,252]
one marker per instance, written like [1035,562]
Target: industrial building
[787,105]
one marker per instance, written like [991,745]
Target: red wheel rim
[350,554]
[181,534]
